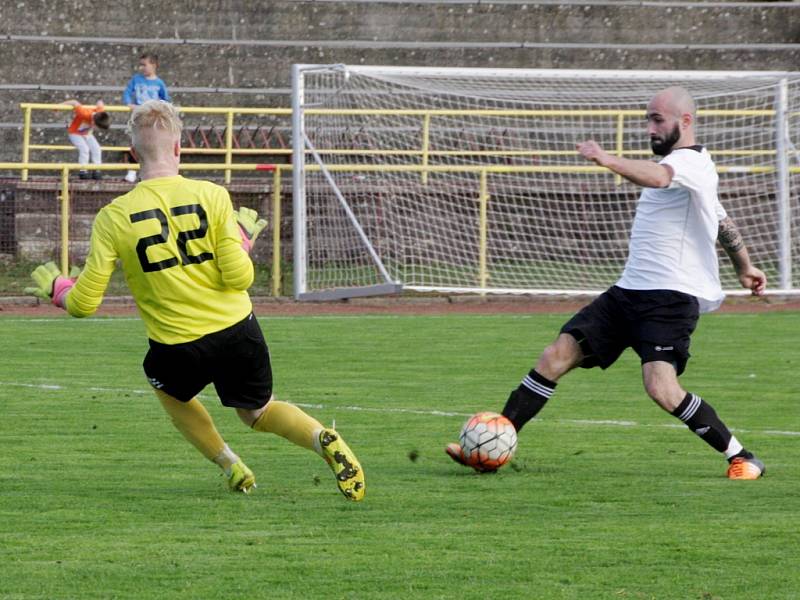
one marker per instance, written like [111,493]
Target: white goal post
[468,180]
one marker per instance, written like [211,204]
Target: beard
[663,146]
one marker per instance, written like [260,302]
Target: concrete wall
[590,21]
[52,50]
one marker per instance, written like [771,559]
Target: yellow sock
[290,422]
[193,421]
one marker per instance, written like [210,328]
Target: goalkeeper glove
[51,284]
[249,226]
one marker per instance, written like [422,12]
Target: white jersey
[674,234]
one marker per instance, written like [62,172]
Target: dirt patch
[440,305]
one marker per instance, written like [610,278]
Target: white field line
[394,410]
[63,319]
[268,318]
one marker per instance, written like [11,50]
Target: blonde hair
[153,115]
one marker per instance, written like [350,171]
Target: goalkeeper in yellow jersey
[184,252]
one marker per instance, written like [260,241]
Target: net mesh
[470,180]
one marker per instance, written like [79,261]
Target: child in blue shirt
[144,86]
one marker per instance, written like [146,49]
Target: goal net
[468,180]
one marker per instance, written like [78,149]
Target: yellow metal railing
[424,153]
[483,232]
[483,195]
[228,151]
[66,168]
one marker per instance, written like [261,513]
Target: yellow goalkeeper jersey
[182,256]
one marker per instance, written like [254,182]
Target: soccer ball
[488,441]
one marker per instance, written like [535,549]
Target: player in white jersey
[671,276]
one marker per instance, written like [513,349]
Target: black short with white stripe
[657,324]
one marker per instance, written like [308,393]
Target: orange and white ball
[488,441]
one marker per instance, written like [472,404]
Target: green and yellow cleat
[240,478]
[345,465]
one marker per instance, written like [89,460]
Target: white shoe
[130,177]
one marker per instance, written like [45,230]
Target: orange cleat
[454,451]
[745,468]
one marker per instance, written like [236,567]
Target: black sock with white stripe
[528,399]
[701,418]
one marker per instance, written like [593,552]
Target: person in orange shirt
[86,118]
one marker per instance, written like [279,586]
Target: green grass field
[608,497]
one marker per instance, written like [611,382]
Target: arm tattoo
[729,236]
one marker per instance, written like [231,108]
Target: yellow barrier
[66,168]
[423,153]
[277,170]
[228,151]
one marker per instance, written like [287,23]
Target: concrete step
[497,21]
[238,45]
[267,67]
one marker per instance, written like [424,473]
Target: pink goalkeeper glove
[249,226]
[51,284]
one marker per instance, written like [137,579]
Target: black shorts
[657,324]
[235,360]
